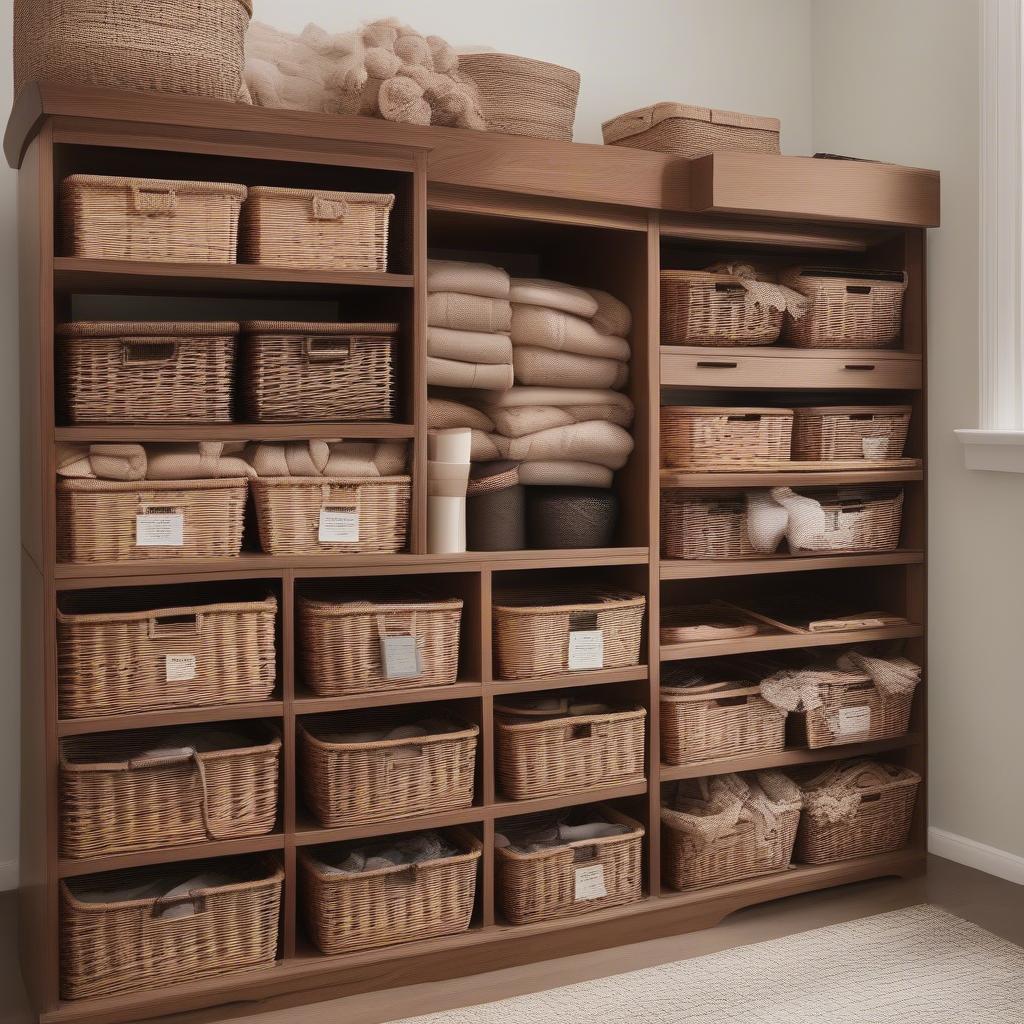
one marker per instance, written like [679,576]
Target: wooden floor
[987,901]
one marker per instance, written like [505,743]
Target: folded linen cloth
[892,676]
[563,332]
[192,460]
[327,458]
[454,373]
[612,315]
[593,441]
[463,312]
[417,848]
[525,410]
[444,414]
[536,291]
[834,796]
[535,365]
[102,461]
[551,831]
[94,889]
[565,474]
[467,278]
[469,346]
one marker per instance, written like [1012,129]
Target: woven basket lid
[307,327]
[636,121]
[385,199]
[116,183]
[146,329]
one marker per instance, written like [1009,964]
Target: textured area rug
[920,965]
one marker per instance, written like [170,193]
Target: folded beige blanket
[469,346]
[194,460]
[467,278]
[454,373]
[565,474]
[542,365]
[522,395]
[612,316]
[444,413]
[327,458]
[102,461]
[563,332]
[529,419]
[535,291]
[469,312]
[595,441]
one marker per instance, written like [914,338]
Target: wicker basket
[353,515]
[691,132]
[357,783]
[708,524]
[832,433]
[370,909]
[116,796]
[858,520]
[563,881]
[105,520]
[146,372]
[310,228]
[150,219]
[540,755]
[195,49]
[880,824]
[340,642]
[705,436]
[699,307]
[854,710]
[125,655]
[848,310]
[534,631]
[520,96]
[319,371]
[128,945]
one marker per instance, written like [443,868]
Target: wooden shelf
[569,679]
[308,832]
[786,478]
[237,432]
[308,703]
[598,794]
[708,568]
[177,716]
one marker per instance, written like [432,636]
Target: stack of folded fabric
[191,460]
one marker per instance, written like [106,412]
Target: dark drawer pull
[859,366]
[708,364]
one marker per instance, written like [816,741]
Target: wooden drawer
[685,366]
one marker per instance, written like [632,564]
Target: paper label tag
[586,649]
[179,668]
[589,883]
[400,656]
[160,530]
[874,447]
[852,720]
[338,524]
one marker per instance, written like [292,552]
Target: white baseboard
[976,855]
[8,875]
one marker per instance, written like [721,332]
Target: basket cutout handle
[858,416]
[730,291]
[583,621]
[586,854]
[148,351]
[149,202]
[335,497]
[409,875]
[327,348]
[716,364]
[382,624]
[731,702]
[858,289]
[164,903]
[329,209]
[871,798]
[749,417]
[860,687]
[161,626]
[186,756]
[401,756]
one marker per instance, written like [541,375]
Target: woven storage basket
[125,946]
[370,909]
[146,372]
[150,219]
[292,512]
[532,629]
[880,824]
[562,518]
[859,520]
[854,710]
[520,96]
[709,524]
[340,642]
[705,436]
[115,797]
[358,783]
[691,132]
[539,756]
[318,371]
[703,308]
[848,310]
[197,49]
[127,655]
[303,227]
[829,433]
[546,886]
[100,520]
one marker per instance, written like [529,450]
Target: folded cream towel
[469,346]
[542,365]
[561,397]
[535,291]
[612,316]
[563,332]
[468,278]
[565,474]
[529,419]
[102,461]
[595,441]
[469,312]
[191,460]
[444,413]
[454,373]
[327,458]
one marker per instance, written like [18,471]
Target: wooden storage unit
[604,216]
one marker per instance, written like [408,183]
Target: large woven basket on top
[706,524]
[103,520]
[197,49]
[150,219]
[353,783]
[119,655]
[114,945]
[370,909]
[707,436]
[152,372]
[318,371]
[850,432]
[117,795]
[541,754]
[867,520]
[548,884]
[532,629]
[520,96]
[303,227]
[340,641]
[854,710]
[292,512]
[879,823]
[848,309]
[699,307]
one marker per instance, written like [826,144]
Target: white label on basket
[160,530]
[874,447]
[400,656]
[179,668]
[586,649]
[852,720]
[338,524]
[589,883]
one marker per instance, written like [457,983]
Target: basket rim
[843,410]
[502,720]
[901,777]
[334,609]
[612,815]
[683,411]
[385,199]
[265,605]
[502,60]
[184,187]
[703,693]
[146,328]
[330,481]
[87,484]
[789,807]
[620,599]
[810,272]
[668,110]
[317,327]
[669,274]
[470,731]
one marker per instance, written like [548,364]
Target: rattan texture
[150,219]
[96,519]
[358,783]
[704,437]
[122,372]
[888,714]
[703,308]
[310,228]
[850,432]
[708,524]
[690,137]
[869,521]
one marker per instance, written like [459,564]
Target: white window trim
[999,443]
